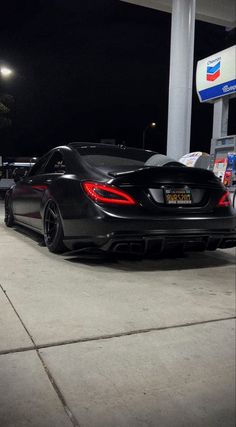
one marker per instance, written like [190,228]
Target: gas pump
[230,173]
[223,162]
[221,148]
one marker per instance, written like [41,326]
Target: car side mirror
[18,174]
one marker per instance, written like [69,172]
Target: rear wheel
[234,199]
[53,231]
[9,217]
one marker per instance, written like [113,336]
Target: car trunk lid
[171,188]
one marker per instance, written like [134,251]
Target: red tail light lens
[105,193]
[225,200]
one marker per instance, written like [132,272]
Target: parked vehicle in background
[7,172]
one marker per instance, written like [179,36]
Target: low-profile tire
[53,230]
[9,217]
[234,200]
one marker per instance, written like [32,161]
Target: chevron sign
[216,75]
[213,71]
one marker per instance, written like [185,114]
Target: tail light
[224,200]
[105,193]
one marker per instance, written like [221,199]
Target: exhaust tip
[133,248]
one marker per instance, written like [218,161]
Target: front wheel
[53,231]
[9,217]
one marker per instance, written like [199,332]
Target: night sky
[86,70]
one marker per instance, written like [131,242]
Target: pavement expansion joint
[38,347]
[57,390]
[132,332]
[61,343]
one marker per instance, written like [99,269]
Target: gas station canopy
[213,11]
[184,13]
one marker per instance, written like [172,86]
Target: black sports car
[123,200]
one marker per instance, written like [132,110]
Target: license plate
[178,196]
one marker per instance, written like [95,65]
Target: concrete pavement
[126,343]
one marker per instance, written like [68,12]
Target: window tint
[115,157]
[56,164]
[37,169]
[103,161]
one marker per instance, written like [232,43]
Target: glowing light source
[105,193]
[150,125]
[6,72]
[225,200]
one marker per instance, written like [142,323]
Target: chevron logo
[213,72]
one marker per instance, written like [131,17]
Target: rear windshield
[114,158]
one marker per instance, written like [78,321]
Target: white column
[181,77]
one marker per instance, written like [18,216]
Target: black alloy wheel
[9,217]
[53,231]
[234,200]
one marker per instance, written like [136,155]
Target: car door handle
[29,181]
[48,181]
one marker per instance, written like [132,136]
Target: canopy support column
[181,77]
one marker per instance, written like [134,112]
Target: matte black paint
[150,226]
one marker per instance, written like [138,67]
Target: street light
[5,71]
[5,100]
[149,126]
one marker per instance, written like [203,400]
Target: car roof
[101,145]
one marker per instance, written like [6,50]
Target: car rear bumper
[152,236]
[152,244]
